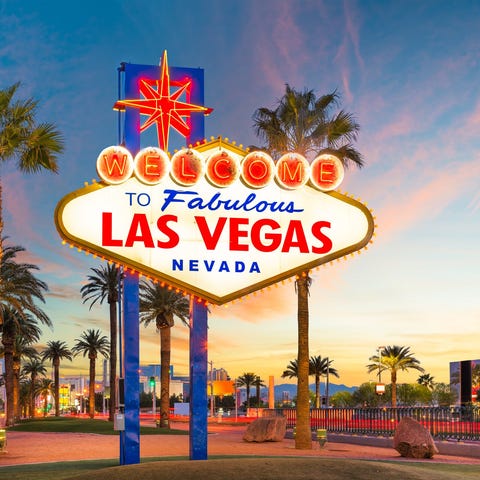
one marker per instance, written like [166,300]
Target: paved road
[26,447]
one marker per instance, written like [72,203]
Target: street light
[380,387]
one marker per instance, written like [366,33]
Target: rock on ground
[268,429]
[413,440]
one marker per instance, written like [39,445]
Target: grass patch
[82,425]
[226,468]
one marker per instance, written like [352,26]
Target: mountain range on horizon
[290,389]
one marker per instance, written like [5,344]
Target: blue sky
[409,71]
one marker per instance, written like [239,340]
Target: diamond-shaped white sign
[216,243]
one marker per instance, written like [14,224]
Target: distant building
[152,370]
[465,380]
[219,374]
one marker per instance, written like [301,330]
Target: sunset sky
[409,72]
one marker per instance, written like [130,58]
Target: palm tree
[90,344]
[426,380]
[34,146]
[56,351]
[160,305]
[25,396]
[304,124]
[292,370]
[258,383]
[394,358]
[34,367]
[321,366]
[44,389]
[19,290]
[104,285]
[247,380]
[15,327]
[22,349]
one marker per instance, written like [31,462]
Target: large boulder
[268,429]
[413,440]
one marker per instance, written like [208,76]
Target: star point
[163,108]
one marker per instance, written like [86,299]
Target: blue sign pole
[130,438]
[131,448]
[198,381]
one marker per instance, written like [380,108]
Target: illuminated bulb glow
[115,165]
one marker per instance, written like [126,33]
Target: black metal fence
[445,423]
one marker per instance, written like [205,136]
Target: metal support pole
[132,378]
[198,381]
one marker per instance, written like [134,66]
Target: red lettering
[186,167]
[319,235]
[257,169]
[236,234]
[273,238]
[114,165]
[326,172]
[139,222]
[107,240]
[222,169]
[173,238]
[292,170]
[151,165]
[210,239]
[295,230]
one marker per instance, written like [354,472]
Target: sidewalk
[27,447]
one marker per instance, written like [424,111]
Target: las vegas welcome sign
[215,220]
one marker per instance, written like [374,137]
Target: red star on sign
[163,108]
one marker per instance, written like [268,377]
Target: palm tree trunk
[113,361]
[165,345]
[8,357]
[91,389]
[303,437]
[32,395]
[56,386]
[16,387]
[317,391]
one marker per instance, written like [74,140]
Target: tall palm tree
[55,351]
[19,292]
[321,366]
[14,328]
[22,349]
[33,146]
[426,380]
[394,359]
[160,305]
[303,123]
[258,383]
[247,380]
[44,389]
[25,397]
[35,368]
[91,344]
[104,285]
